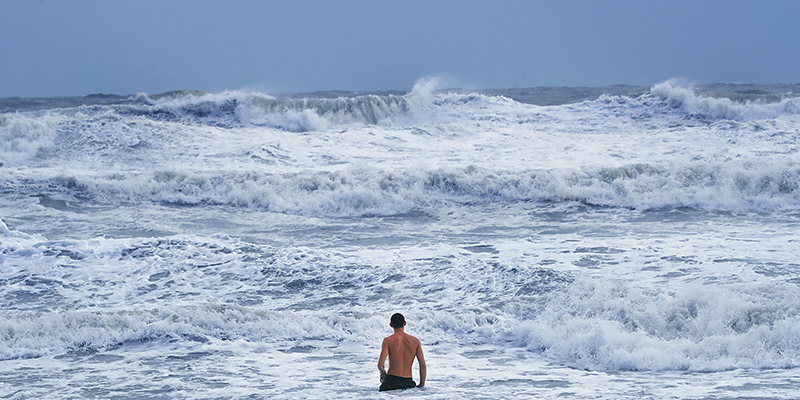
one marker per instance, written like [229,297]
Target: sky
[78,47]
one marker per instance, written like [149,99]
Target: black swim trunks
[393,382]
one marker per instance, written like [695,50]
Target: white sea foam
[12,241]
[199,289]
[611,326]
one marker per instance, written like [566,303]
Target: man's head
[398,321]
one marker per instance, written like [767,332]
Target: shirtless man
[401,349]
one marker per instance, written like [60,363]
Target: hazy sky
[50,48]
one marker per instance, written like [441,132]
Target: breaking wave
[301,114]
[727,106]
[294,115]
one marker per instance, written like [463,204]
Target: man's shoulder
[395,337]
[390,338]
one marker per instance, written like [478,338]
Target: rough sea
[551,243]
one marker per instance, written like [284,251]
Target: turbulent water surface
[618,243]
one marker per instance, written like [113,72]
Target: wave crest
[722,107]
[296,115]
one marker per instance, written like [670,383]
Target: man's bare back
[401,349]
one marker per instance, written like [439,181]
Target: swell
[728,186]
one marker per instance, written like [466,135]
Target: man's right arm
[382,359]
[423,369]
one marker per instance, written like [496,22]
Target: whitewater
[575,243]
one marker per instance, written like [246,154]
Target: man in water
[401,349]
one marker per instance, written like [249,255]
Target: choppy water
[619,242]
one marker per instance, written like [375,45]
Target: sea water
[571,243]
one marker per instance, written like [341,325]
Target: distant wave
[425,103]
[427,99]
[727,106]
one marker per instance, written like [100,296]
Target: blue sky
[56,48]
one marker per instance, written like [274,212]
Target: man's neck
[399,330]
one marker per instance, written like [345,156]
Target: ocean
[621,242]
